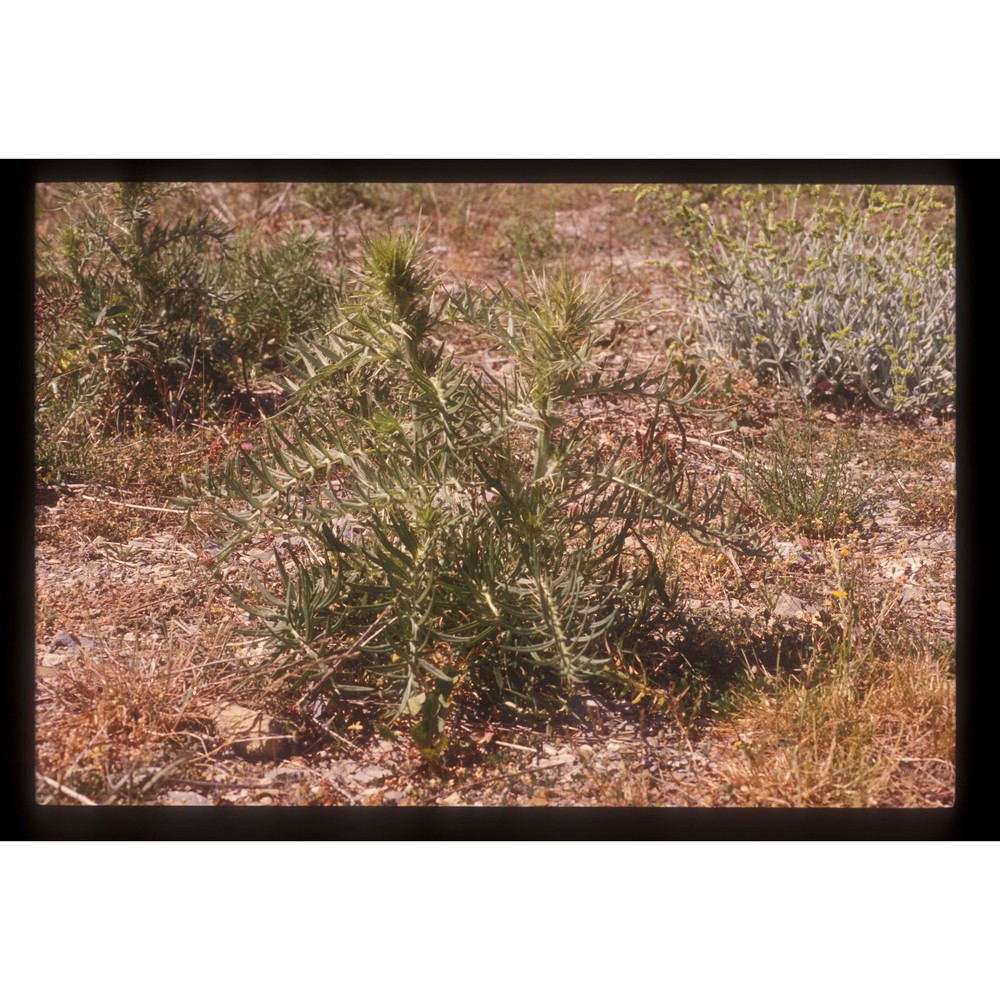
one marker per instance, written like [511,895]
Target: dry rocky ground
[145,684]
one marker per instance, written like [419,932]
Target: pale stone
[255,736]
[788,606]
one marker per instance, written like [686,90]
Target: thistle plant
[855,291]
[462,532]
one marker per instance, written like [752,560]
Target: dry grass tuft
[879,736]
[111,727]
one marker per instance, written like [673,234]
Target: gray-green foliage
[858,290]
[460,530]
[146,311]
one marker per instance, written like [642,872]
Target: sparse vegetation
[481,514]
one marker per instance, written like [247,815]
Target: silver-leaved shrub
[816,285]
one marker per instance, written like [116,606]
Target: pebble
[788,606]
[74,643]
[369,773]
[286,774]
[185,799]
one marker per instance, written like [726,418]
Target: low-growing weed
[798,485]
[529,241]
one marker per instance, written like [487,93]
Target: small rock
[369,773]
[393,797]
[185,799]
[788,606]
[281,774]
[788,551]
[255,736]
[454,799]
[339,770]
[74,643]
[585,753]
[48,664]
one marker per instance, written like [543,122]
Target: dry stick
[351,650]
[82,799]
[515,746]
[707,444]
[221,209]
[331,732]
[134,506]
[219,784]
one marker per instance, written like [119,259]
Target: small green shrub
[854,291]
[459,531]
[804,488]
[528,240]
[145,313]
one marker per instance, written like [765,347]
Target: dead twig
[515,746]
[63,790]
[350,652]
[134,506]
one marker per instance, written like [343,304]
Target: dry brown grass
[112,726]
[874,735]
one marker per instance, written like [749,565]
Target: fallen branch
[62,789]
[707,444]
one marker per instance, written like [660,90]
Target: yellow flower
[845,552]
